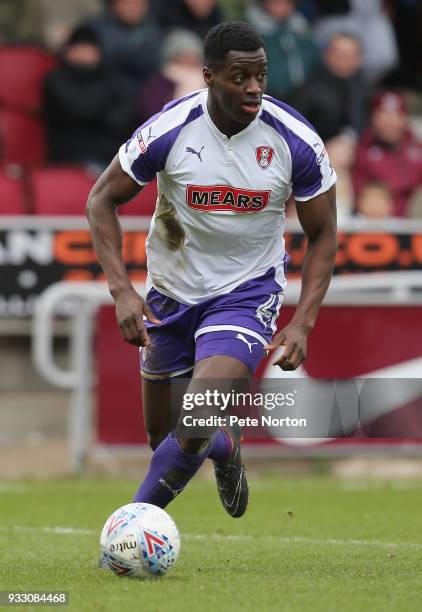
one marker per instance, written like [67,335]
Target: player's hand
[294,338]
[130,311]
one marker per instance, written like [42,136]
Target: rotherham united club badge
[264,156]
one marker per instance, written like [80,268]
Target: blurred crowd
[353,68]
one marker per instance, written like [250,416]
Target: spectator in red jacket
[389,152]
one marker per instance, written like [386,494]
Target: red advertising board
[347,342]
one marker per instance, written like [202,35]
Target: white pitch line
[57,530]
[227,537]
[303,540]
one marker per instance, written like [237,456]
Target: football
[140,540]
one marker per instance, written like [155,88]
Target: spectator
[334,99]
[199,16]
[61,17]
[329,8]
[341,152]
[407,20]
[86,106]
[42,21]
[291,52]
[180,74]
[129,38]
[308,9]
[20,21]
[367,20]
[415,204]
[389,152]
[375,201]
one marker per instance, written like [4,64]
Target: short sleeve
[312,173]
[137,161]
[146,152]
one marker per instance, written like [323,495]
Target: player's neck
[223,123]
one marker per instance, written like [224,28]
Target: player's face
[237,86]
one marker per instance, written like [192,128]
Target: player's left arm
[319,221]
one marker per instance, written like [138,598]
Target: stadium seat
[22,73]
[59,191]
[12,196]
[22,138]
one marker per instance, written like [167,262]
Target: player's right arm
[115,187]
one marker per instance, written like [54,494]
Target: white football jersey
[220,214]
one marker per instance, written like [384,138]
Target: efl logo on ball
[264,156]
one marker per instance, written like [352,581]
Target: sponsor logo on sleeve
[141,142]
[320,152]
[224,197]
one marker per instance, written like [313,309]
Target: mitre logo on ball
[264,156]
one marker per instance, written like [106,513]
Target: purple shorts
[237,324]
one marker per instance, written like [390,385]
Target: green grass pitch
[309,544]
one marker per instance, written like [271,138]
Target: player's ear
[208,76]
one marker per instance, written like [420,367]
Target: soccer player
[227,159]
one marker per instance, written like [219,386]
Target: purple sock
[220,446]
[169,472]
[171,468]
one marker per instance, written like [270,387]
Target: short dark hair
[230,36]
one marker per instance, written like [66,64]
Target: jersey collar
[215,129]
